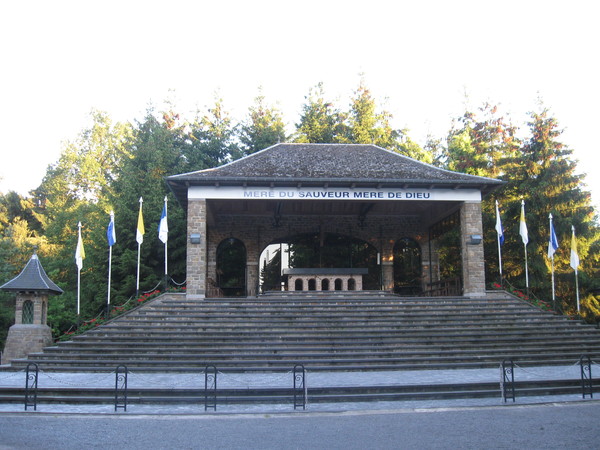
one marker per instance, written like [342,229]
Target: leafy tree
[263,127]
[482,144]
[88,165]
[13,206]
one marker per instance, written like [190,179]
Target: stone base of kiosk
[328,279]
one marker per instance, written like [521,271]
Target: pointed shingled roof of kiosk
[332,165]
[32,278]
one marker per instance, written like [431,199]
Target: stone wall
[25,339]
[196,253]
[381,232]
[258,231]
[473,263]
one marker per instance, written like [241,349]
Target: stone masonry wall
[256,232]
[196,253]
[472,255]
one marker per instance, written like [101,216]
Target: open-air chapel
[347,260]
[352,217]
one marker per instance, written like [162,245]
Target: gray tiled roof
[32,278]
[328,163]
[332,161]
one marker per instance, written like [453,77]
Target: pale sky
[60,59]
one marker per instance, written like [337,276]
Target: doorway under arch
[231,267]
[318,250]
[407,267]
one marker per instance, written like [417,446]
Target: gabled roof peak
[32,278]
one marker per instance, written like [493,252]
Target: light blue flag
[110,232]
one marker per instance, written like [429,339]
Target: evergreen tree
[368,126]
[320,121]
[155,155]
[545,176]
[263,127]
[209,140]
[482,144]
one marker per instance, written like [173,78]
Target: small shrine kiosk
[30,333]
[378,200]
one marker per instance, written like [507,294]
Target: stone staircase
[325,332]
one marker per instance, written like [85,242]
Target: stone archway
[407,267]
[318,250]
[231,267]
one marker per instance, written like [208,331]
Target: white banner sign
[346,194]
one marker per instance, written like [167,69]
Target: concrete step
[336,332]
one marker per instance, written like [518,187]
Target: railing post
[210,387]
[300,391]
[121,387]
[31,385]
[585,363]
[508,380]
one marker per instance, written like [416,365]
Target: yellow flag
[79,252]
[139,236]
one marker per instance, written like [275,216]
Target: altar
[325,279]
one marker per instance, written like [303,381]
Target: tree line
[109,166]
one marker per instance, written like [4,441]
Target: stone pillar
[359,282]
[26,337]
[473,264]
[387,269]
[252,274]
[196,252]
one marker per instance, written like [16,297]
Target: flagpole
[525,238]
[166,272]
[140,239]
[500,262]
[79,259]
[163,235]
[109,273]
[552,263]
[110,236]
[577,290]
[575,264]
[500,235]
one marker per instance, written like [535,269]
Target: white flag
[574,256]
[523,225]
[499,229]
[552,241]
[163,227]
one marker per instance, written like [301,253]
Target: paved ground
[548,426]
[313,379]
[561,422]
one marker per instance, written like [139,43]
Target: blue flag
[552,242]
[163,227]
[110,232]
